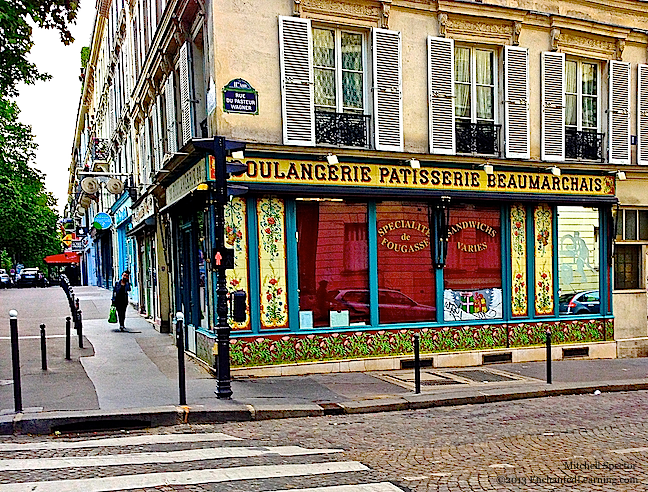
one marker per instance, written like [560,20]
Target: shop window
[332,255]
[626,266]
[406,288]
[473,272]
[578,259]
[632,225]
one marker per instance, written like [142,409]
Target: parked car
[393,306]
[31,277]
[5,279]
[586,302]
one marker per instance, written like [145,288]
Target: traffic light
[220,170]
[239,306]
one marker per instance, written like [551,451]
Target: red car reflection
[393,306]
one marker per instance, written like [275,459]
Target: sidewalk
[130,379]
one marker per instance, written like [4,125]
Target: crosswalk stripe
[121,441]
[363,487]
[629,450]
[157,457]
[194,477]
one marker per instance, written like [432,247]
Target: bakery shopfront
[347,260]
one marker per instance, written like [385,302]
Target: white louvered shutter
[388,90]
[147,151]
[186,93]
[160,129]
[441,95]
[516,102]
[171,129]
[155,140]
[553,106]
[642,114]
[297,83]
[619,110]
[142,158]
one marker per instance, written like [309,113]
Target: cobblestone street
[587,442]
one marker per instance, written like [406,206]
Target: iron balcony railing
[342,129]
[99,149]
[477,138]
[585,145]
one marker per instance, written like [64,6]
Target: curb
[83,421]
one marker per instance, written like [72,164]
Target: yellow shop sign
[297,172]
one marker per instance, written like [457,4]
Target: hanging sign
[240,97]
[102,221]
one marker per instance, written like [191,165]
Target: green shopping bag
[112,318]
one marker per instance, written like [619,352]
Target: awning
[67,258]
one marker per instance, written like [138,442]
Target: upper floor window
[475,100]
[339,73]
[582,121]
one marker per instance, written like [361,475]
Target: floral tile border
[284,349]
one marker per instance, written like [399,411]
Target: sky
[51,107]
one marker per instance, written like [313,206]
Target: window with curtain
[338,61]
[581,96]
[475,99]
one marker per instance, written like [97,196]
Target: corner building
[455,169]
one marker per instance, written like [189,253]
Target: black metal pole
[80,328]
[43,348]
[181,361]
[15,359]
[417,364]
[67,337]
[548,342]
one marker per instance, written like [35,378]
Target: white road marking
[157,457]
[630,450]
[363,487]
[33,337]
[120,441]
[195,477]
[501,465]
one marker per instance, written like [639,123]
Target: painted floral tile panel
[271,213]
[543,231]
[236,237]
[519,299]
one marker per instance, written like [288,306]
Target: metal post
[43,348]
[223,385]
[417,364]
[80,329]
[67,337]
[181,362]
[15,359]
[548,341]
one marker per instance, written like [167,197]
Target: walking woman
[120,297]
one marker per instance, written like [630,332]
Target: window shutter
[156,131]
[619,125]
[388,90]
[553,106]
[186,93]
[142,158]
[169,96]
[441,95]
[146,168]
[160,133]
[297,98]
[642,114]
[516,102]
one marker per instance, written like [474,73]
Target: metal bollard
[15,359]
[181,362]
[417,364]
[548,342]
[80,328]
[67,337]
[43,348]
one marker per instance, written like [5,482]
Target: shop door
[189,284]
[148,281]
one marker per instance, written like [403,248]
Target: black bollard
[548,342]
[67,338]
[417,365]
[181,362]
[43,348]
[80,328]
[15,359]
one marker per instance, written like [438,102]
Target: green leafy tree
[16,37]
